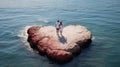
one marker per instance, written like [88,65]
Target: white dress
[60,27]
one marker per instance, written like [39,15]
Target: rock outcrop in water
[60,48]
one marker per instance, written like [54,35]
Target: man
[57,26]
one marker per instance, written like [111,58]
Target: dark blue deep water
[101,17]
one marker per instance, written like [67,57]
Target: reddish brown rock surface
[60,48]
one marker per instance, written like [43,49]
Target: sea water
[101,17]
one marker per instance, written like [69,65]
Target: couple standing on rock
[59,27]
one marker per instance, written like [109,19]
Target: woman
[60,27]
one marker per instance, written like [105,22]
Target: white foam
[43,20]
[46,21]
[13,16]
[23,35]
[93,38]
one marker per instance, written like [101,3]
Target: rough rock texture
[60,48]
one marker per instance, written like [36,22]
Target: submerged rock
[60,48]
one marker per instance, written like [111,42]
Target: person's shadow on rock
[62,39]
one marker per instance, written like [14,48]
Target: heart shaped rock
[60,48]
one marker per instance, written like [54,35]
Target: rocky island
[60,48]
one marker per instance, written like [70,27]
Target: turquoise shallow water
[101,17]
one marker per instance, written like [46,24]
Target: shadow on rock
[62,39]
